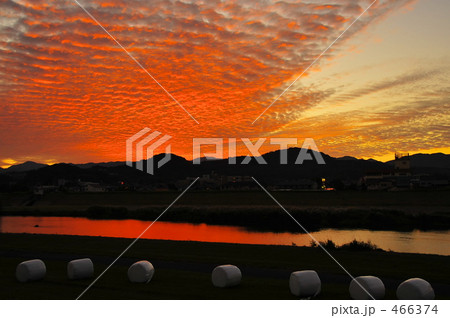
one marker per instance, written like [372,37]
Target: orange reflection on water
[133,228]
[413,242]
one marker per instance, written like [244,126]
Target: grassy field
[183,268]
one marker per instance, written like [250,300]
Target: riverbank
[259,218]
[423,198]
[423,242]
[183,268]
[398,211]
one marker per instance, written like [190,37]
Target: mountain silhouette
[26,166]
[178,168]
[435,160]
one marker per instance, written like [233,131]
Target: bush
[360,246]
[329,244]
[352,246]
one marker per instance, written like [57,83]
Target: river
[429,242]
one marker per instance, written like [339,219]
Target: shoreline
[395,211]
[259,218]
[416,241]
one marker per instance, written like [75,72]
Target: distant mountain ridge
[435,160]
[347,158]
[178,168]
[26,166]
[101,164]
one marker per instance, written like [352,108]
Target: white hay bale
[30,270]
[226,276]
[305,284]
[80,268]
[415,289]
[372,285]
[141,272]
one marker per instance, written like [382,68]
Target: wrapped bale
[226,276]
[80,268]
[141,272]
[305,284]
[372,285]
[30,270]
[415,289]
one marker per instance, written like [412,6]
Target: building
[401,177]
[402,164]
[92,187]
[395,178]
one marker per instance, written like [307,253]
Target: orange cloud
[69,92]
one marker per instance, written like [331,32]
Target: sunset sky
[69,93]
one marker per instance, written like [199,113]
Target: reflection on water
[410,242]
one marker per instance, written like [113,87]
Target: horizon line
[210,158]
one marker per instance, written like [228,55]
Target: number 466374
[415,309]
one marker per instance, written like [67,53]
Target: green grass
[187,266]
